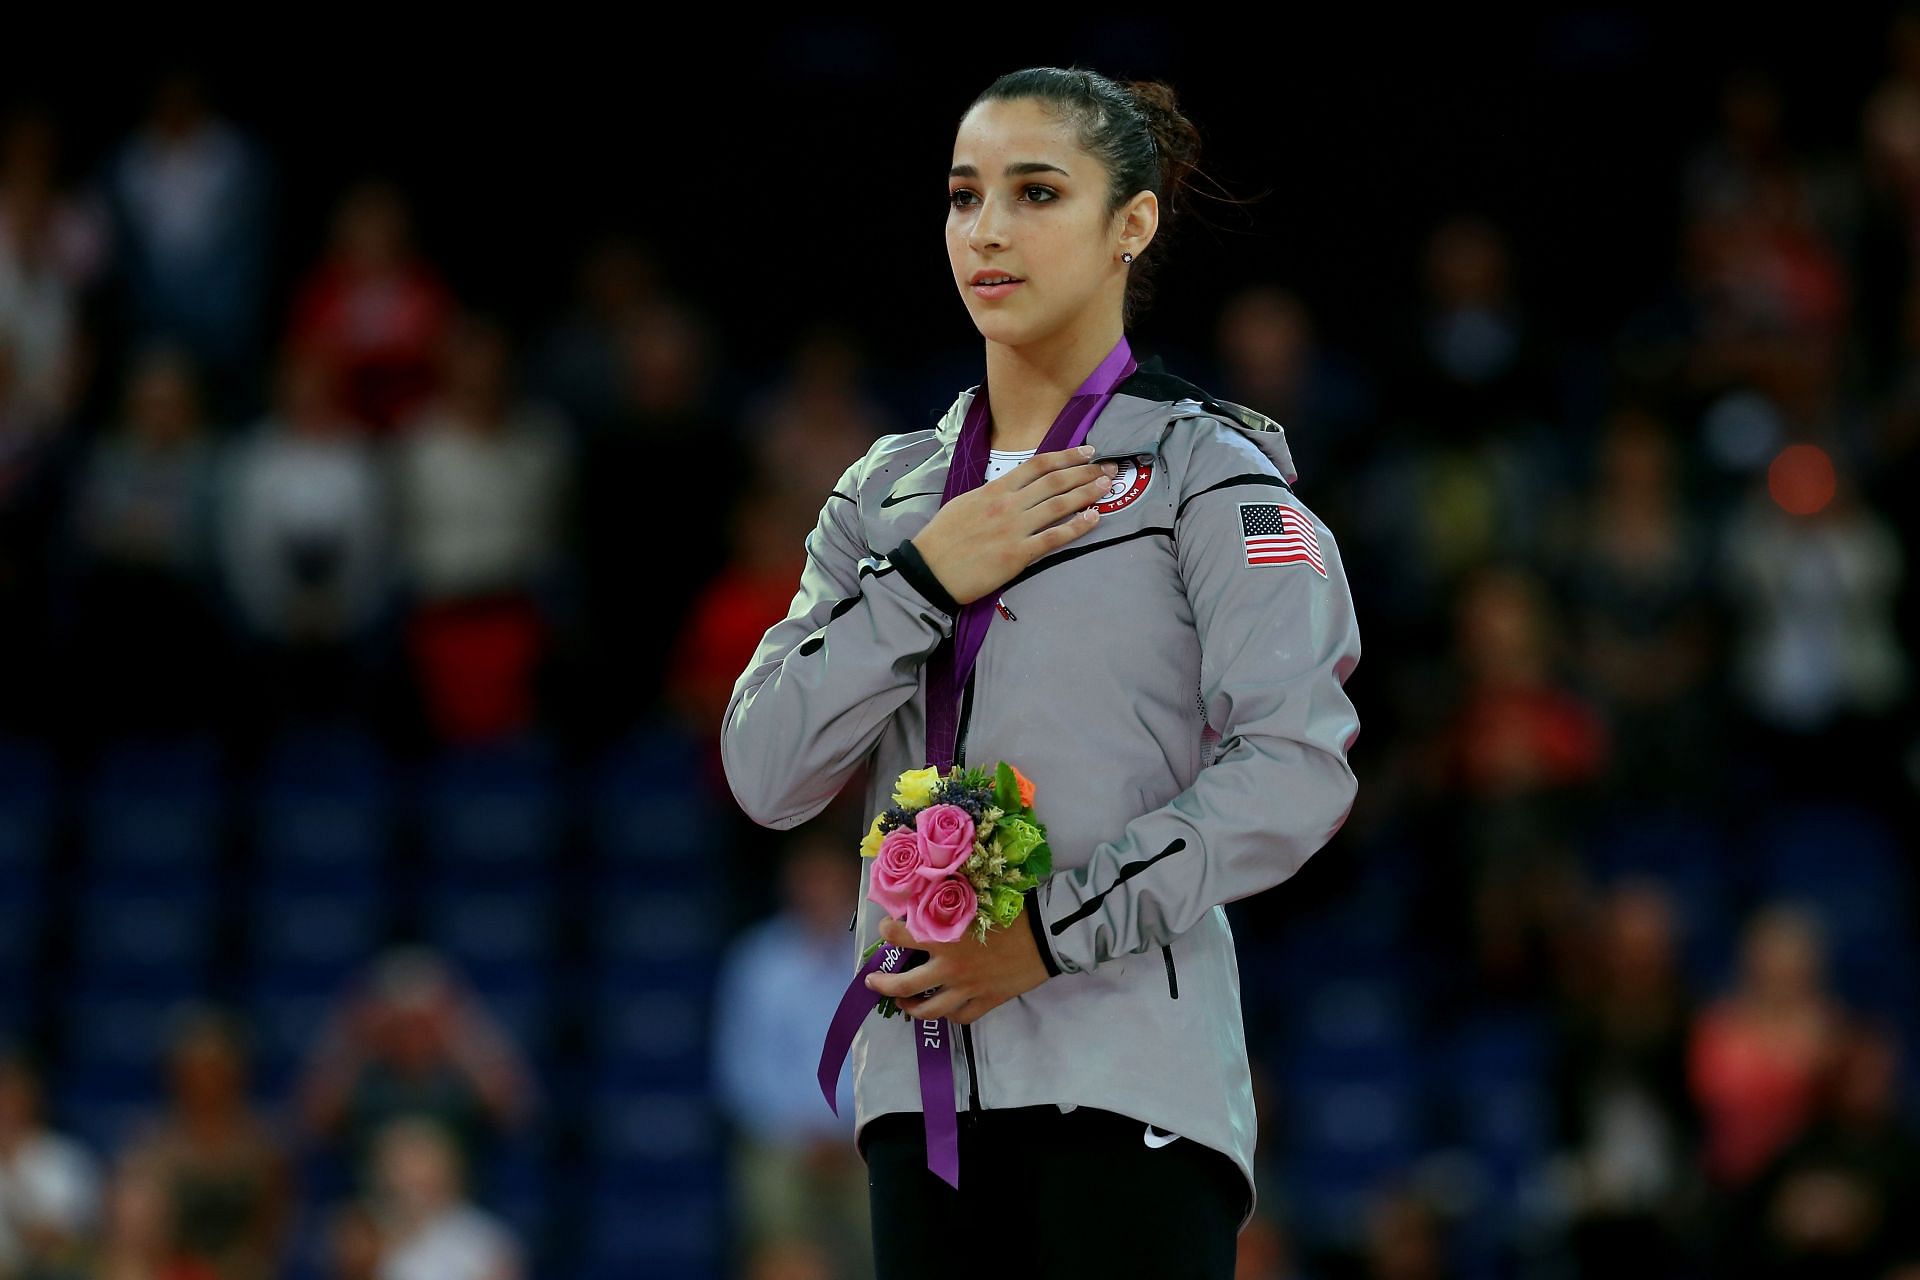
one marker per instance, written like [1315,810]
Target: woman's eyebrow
[1013,170]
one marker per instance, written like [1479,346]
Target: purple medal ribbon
[947,671]
[952,661]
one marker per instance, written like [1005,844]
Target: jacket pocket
[1173,982]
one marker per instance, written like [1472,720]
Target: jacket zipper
[966,1031]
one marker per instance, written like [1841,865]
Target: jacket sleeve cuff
[906,558]
[1040,933]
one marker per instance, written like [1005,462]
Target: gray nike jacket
[1173,684]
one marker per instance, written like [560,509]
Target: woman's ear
[1139,219]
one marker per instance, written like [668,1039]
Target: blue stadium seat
[324,934]
[284,1022]
[28,804]
[1846,867]
[651,1030]
[146,939]
[305,948]
[514,1185]
[1811,846]
[503,945]
[104,1110]
[1496,1111]
[325,811]
[1497,1090]
[523,1001]
[494,814]
[116,1039]
[153,811]
[490,929]
[645,922]
[1372,1012]
[658,1137]
[19,948]
[673,1233]
[651,817]
[1353,1119]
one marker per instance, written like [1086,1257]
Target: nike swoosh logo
[892,498]
[1156,1139]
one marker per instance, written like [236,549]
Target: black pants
[1046,1194]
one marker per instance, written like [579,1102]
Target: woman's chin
[1003,329]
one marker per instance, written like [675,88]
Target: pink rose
[894,882]
[947,832]
[944,913]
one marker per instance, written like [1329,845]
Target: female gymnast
[1094,570]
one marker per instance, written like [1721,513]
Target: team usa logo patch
[1128,483]
[1274,533]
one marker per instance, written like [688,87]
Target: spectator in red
[1517,754]
[374,310]
[734,611]
[1757,1054]
[1835,1203]
[1518,729]
[482,478]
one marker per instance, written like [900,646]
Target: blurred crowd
[407,1084]
[1615,965]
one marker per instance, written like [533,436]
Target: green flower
[1006,905]
[1017,838]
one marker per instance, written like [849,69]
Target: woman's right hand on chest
[977,542]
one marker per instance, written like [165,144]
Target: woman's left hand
[972,976]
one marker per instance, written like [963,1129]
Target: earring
[1126,257]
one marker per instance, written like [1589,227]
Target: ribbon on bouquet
[931,1049]
[947,670]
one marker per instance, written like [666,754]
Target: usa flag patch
[1274,533]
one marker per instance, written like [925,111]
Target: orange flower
[1026,786]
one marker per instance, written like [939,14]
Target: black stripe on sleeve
[1127,873]
[1040,933]
[906,558]
[1250,477]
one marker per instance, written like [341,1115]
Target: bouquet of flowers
[955,853]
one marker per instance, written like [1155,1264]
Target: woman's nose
[987,231]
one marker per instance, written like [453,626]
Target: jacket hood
[1267,435]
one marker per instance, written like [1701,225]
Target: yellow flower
[915,788]
[870,843]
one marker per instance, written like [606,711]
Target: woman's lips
[995,290]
